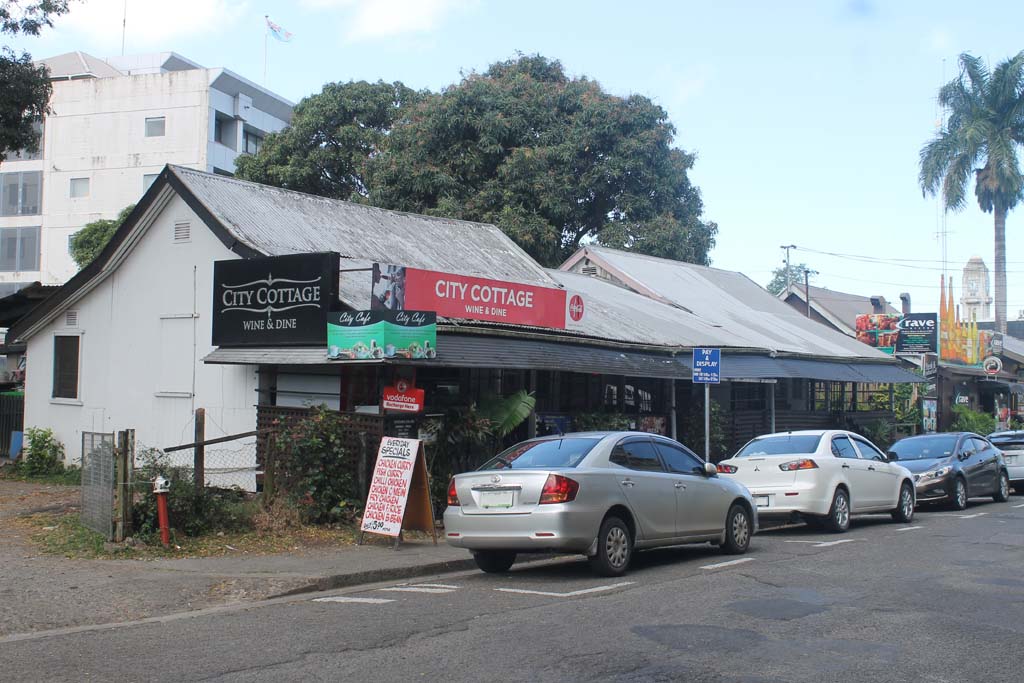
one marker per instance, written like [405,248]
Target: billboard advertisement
[895,333]
[398,288]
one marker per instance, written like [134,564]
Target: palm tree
[982,134]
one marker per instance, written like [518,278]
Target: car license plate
[495,499]
[761,501]
[1011,459]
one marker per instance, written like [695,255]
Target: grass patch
[64,535]
[71,476]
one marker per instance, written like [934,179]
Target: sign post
[707,370]
[399,496]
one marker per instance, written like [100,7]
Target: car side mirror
[892,456]
[710,469]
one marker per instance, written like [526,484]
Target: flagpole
[266,32]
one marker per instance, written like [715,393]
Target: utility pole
[787,247]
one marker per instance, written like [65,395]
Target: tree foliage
[981,138]
[87,243]
[333,136]
[779,280]
[553,160]
[25,86]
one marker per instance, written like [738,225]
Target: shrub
[315,470]
[693,430]
[602,422]
[967,420]
[190,512]
[43,455]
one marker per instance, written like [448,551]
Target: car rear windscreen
[566,452]
[782,444]
[925,447]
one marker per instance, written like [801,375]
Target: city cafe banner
[370,335]
[274,300]
[474,298]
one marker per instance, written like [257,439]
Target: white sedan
[822,477]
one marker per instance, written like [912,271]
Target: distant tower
[976,301]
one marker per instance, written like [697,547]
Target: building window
[21,193]
[79,188]
[253,142]
[65,366]
[148,180]
[224,131]
[19,249]
[155,127]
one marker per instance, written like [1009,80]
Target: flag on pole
[277,31]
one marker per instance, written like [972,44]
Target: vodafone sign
[475,298]
[403,398]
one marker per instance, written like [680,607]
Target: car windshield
[547,453]
[925,447]
[781,444]
[1007,439]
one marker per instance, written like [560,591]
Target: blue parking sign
[707,366]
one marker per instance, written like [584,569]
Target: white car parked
[822,477]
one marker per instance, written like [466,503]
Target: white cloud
[940,40]
[374,19]
[151,26]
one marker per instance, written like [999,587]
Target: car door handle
[871,467]
[680,485]
[628,482]
[845,466]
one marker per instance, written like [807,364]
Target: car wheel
[958,499]
[738,528]
[494,561]
[838,519]
[1002,493]
[904,511]
[614,548]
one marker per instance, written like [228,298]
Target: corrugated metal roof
[78,65]
[275,221]
[734,303]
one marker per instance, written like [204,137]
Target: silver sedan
[602,494]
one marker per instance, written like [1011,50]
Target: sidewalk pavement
[42,592]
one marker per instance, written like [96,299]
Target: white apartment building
[114,124]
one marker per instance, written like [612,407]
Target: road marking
[1019,506]
[811,542]
[910,528]
[417,589]
[826,544]
[344,598]
[976,514]
[434,585]
[571,594]
[728,563]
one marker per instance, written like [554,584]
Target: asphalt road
[941,599]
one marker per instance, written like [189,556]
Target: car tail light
[559,489]
[795,465]
[453,495]
[727,469]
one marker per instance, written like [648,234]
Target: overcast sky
[807,117]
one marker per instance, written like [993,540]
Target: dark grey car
[952,467]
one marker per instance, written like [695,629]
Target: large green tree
[87,243]
[24,87]
[333,136]
[981,138]
[554,161]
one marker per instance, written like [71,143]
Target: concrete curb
[326,583]
[369,576]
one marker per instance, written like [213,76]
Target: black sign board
[274,301]
[930,366]
[918,333]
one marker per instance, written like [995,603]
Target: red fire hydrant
[160,487]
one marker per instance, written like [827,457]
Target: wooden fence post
[122,496]
[199,464]
[269,465]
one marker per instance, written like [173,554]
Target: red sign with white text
[462,296]
[405,399]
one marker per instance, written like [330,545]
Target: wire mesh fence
[98,482]
[228,465]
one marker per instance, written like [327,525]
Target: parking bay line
[345,598]
[1019,506]
[910,528]
[825,544]
[728,563]
[419,589]
[570,594]
[976,514]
